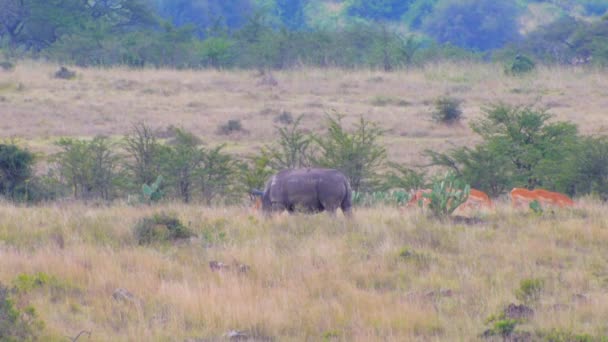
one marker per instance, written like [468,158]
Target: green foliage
[143,153]
[25,283]
[536,208]
[447,110]
[16,323]
[569,41]
[216,173]
[520,65]
[447,194]
[529,290]
[536,148]
[558,335]
[292,149]
[474,24]
[231,126]
[359,155]
[153,192]
[378,9]
[390,198]
[520,148]
[402,177]
[160,228]
[592,167]
[504,327]
[15,171]
[217,52]
[89,168]
[182,159]
[256,171]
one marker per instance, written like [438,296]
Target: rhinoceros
[308,190]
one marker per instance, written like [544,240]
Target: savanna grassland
[387,274]
[39,109]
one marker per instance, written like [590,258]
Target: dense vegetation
[282,34]
[521,147]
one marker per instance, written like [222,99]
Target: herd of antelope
[520,198]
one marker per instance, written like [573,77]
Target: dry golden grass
[310,277]
[39,108]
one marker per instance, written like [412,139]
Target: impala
[477,199]
[523,197]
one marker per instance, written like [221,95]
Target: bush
[389,198]
[592,167]
[232,126]
[143,154]
[359,155]
[475,24]
[15,170]
[292,149]
[520,65]
[17,324]
[160,228]
[520,148]
[89,168]
[529,290]
[446,195]
[447,110]
[284,118]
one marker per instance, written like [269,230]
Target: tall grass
[383,275]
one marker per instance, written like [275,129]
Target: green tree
[89,168]
[520,148]
[475,24]
[359,155]
[592,166]
[15,171]
[378,9]
[182,159]
[216,174]
[143,153]
[292,149]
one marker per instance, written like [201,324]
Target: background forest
[282,34]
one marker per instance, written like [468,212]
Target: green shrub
[231,126]
[447,110]
[160,228]
[153,192]
[359,155]
[89,168]
[17,324]
[520,147]
[557,335]
[447,194]
[536,207]
[27,282]
[292,149]
[520,65]
[390,198]
[16,166]
[529,290]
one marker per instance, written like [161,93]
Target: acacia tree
[520,148]
[292,150]
[359,155]
[182,158]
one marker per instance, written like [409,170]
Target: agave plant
[447,195]
[152,193]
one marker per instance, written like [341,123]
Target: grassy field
[38,108]
[386,275]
